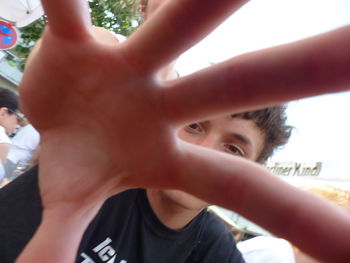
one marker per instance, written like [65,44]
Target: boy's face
[234,136]
[10,121]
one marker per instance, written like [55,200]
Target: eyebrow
[241,138]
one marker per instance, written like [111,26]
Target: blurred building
[10,75]
[302,174]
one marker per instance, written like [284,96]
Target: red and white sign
[8,36]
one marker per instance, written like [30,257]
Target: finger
[177,26]
[315,226]
[68,18]
[263,78]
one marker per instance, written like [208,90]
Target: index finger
[68,18]
[177,26]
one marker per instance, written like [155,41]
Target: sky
[322,124]
[265,23]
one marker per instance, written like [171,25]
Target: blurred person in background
[24,145]
[9,122]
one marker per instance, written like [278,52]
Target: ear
[3,111]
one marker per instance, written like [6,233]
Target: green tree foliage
[119,16]
[29,35]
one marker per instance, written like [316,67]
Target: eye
[234,149]
[194,128]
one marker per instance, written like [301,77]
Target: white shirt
[24,144]
[3,136]
[3,139]
[264,249]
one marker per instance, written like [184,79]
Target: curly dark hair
[272,122]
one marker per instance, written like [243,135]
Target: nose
[210,142]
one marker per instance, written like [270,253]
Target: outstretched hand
[108,122]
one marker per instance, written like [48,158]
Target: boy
[154,225]
[114,127]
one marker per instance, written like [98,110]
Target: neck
[169,212]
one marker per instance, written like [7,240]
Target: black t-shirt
[125,230]
[20,215]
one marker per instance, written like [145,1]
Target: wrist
[59,234]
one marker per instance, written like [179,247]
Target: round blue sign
[8,36]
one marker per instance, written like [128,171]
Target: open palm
[108,123]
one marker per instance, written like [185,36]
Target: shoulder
[123,202]
[213,226]
[21,188]
[20,213]
[21,197]
[3,136]
[28,133]
[216,243]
